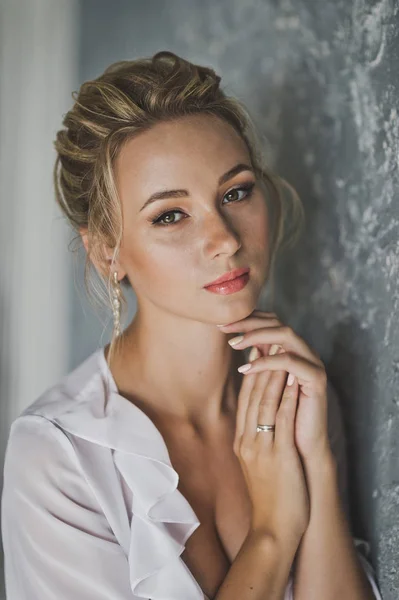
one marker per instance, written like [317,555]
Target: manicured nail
[291,379]
[274,349]
[254,354]
[244,368]
[236,340]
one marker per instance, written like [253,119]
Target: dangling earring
[116,303]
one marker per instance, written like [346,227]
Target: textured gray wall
[321,81]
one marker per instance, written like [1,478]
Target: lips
[228,276]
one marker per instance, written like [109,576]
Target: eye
[164,218]
[246,187]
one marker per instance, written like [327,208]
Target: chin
[238,312]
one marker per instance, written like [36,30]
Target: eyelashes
[246,187]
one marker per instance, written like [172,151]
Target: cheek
[259,243]
[257,227]
[156,266]
[261,230]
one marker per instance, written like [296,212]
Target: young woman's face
[174,246]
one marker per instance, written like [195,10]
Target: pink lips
[229,282]
[228,276]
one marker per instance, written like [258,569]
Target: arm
[327,547]
[57,542]
[260,570]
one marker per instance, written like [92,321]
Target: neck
[180,371]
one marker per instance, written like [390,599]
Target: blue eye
[246,187]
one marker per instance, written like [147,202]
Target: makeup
[230,286]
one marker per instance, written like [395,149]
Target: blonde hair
[128,98]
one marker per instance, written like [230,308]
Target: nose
[219,236]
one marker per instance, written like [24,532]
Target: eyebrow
[182,193]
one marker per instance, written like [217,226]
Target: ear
[102,267]
[85,240]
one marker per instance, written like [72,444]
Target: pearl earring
[116,303]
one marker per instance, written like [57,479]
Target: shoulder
[49,471]
[37,441]
[36,447]
[44,484]
[51,511]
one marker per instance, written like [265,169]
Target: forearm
[326,564]
[260,571]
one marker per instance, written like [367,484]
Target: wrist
[321,474]
[275,553]
[320,466]
[280,545]
[321,457]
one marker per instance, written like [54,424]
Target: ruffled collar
[162,519]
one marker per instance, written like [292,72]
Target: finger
[255,313]
[269,405]
[250,323]
[284,336]
[243,401]
[285,418]
[253,407]
[262,313]
[257,395]
[305,371]
[254,399]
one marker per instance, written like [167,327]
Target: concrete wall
[321,81]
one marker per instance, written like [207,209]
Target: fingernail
[235,340]
[254,354]
[244,368]
[291,379]
[274,349]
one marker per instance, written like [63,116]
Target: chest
[211,479]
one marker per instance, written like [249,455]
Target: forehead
[189,149]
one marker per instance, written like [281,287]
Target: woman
[162,467]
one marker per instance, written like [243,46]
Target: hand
[262,330]
[270,461]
